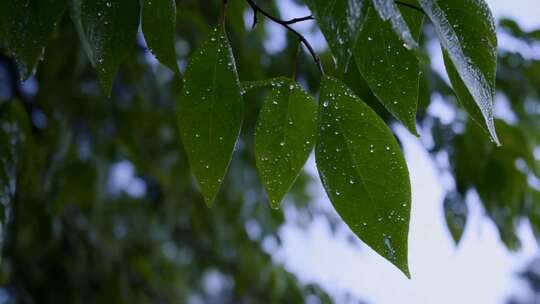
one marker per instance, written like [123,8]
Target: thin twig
[286,24]
[296,20]
[411,6]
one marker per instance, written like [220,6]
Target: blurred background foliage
[99,206]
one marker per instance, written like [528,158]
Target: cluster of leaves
[359,160]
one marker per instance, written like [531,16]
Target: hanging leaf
[108,29]
[467,33]
[389,11]
[284,137]
[159,27]
[456,213]
[391,70]
[364,172]
[28,26]
[339,21]
[210,112]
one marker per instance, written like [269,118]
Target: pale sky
[480,270]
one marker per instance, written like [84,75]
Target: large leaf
[364,172]
[389,11]
[284,137]
[159,27]
[339,21]
[210,112]
[29,24]
[391,70]
[467,33]
[108,29]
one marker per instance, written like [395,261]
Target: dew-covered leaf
[391,70]
[108,29]
[388,11]
[339,21]
[28,26]
[467,33]
[210,110]
[159,27]
[284,137]
[364,172]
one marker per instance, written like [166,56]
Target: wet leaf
[108,29]
[159,27]
[388,11]
[210,111]
[363,171]
[29,25]
[284,137]
[339,21]
[467,33]
[391,70]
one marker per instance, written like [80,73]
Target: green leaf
[456,213]
[108,29]
[210,112]
[29,25]
[284,137]
[467,33]
[391,70]
[364,172]
[339,21]
[389,11]
[159,27]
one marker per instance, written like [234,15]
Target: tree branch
[286,24]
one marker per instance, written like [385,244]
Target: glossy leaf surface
[284,137]
[339,21]
[159,27]
[364,172]
[29,24]
[210,111]
[388,11]
[108,29]
[467,33]
[391,70]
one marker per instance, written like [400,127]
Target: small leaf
[339,21]
[391,70]
[284,137]
[108,29]
[29,25]
[467,33]
[210,112]
[364,172]
[389,11]
[456,213]
[159,27]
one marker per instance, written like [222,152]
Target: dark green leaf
[29,25]
[391,70]
[389,11]
[284,137]
[467,33]
[363,171]
[108,29]
[159,27]
[210,112]
[339,21]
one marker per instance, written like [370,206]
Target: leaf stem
[286,24]
[296,57]
[223,12]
